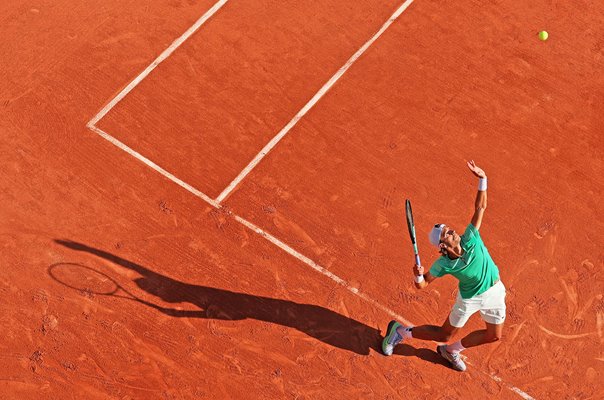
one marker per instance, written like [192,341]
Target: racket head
[84,279]
[410,224]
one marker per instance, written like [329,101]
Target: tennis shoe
[453,358]
[392,338]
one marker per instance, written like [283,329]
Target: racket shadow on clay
[315,321]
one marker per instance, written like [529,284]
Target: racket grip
[417,259]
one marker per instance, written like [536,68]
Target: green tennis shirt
[475,269]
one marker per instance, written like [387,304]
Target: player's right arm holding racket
[418,270]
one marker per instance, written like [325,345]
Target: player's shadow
[318,322]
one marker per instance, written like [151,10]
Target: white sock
[405,331]
[455,347]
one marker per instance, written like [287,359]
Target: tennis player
[480,289]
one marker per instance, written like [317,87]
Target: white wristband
[419,278]
[482,184]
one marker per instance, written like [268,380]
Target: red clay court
[206,199]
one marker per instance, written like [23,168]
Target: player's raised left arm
[480,204]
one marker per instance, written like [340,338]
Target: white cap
[435,234]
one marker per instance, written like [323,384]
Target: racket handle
[417,259]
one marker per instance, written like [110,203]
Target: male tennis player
[467,259]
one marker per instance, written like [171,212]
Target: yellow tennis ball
[543,35]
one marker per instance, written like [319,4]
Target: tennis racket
[411,228]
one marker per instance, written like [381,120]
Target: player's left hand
[476,170]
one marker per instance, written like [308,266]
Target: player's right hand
[418,270]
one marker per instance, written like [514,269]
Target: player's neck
[455,253]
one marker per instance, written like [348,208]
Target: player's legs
[436,333]
[460,313]
[492,333]
[450,352]
[396,333]
[493,313]
[453,358]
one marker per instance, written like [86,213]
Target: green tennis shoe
[392,338]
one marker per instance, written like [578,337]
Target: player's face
[449,237]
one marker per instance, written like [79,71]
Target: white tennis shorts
[491,305]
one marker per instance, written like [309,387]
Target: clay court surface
[119,283]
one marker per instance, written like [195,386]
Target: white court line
[154,166]
[318,268]
[165,54]
[216,203]
[246,223]
[514,389]
[269,146]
